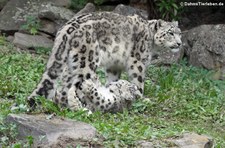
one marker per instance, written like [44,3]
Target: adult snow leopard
[103,39]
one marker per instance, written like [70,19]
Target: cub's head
[167,36]
[125,90]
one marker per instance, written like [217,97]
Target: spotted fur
[114,97]
[105,39]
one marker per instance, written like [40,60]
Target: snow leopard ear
[175,23]
[158,24]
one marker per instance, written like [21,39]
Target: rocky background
[32,25]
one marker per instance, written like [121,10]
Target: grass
[180,99]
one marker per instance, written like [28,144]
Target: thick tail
[54,68]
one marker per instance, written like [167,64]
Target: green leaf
[30,140]
[17,145]
[161,9]
[174,5]
[33,31]
[167,7]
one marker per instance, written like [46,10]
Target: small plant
[32,25]
[2,40]
[8,133]
[5,46]
[169,9]
[30,141]
[47,106]
[42,50]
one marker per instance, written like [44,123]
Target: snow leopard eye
[171,33]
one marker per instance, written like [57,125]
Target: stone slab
[52,132]
[192,140]
[26,41]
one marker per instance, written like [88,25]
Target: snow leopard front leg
[136,73]
[140,57]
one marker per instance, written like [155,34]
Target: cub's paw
[135,91]
[87,86]
[73,101]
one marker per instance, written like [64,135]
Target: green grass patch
[180,99]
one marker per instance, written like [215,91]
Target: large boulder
[15,12]
[26,41]
[51,18]
[54,132]
[205,46]
[192,140]
[55,13]
[89,7]
[167,57]
[128,10]
[13,15]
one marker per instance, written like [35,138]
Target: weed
[5,46]
[169,9]
[32,25]
[2,40]
[42,50]
[30,141]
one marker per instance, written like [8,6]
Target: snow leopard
[114,42]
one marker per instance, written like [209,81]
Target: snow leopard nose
[179,44]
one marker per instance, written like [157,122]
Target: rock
[10,38]
[62,3]
[184,21]
[26,41]
[145,144]
[154,144]
[3,3]
[15,12]
[192,140]
[187,140]
[55,132]
[205,46]
[55,13]
[12,16]
[167,58]
[48,27]
[53,17]
[87,9]
[127,10]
